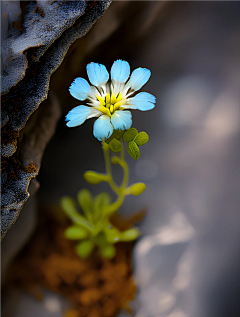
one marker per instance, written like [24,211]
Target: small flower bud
[137,189]
[93,178]
[115,160]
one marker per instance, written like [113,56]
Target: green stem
[116,205]
[111,182]
[121,191]
[122,150]
[125,178]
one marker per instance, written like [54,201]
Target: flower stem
[120,191]
[111,182]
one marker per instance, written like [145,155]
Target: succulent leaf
[130,134]
[115,145]
[76,233]
[142,138]
[133,150]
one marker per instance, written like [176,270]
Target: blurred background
[186,262]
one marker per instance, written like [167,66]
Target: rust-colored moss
[18,25]
[97,287]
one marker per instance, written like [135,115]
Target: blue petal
[143,101]
[79,88]
[102,128]
[139,78]
[97,74]
[120,70]
[77,116]
[121,120]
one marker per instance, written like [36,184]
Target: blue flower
[109,99]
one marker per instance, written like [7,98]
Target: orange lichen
[97,287]
[30,168]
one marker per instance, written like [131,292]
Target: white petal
[94,113]
[121,120]
[142,101]
[138,78]
[97,74]
[102,128]
[120,71]
[77,116]
[80,88]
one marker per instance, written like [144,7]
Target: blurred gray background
[187,260]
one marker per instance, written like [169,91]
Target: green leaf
[76,233]
[84,248]
[86,202]
[112,234]
[137,189]
[130,134]
[133,150]
[102,200]
[130,234]
[115,145]
[108,251]
[69,206]
[141,138]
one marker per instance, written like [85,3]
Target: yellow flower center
[110,103]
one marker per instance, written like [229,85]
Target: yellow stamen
[101,100]
[108,98]
[110,103]
[111,109]
[113,99]
[119,97]
[104,110]
[118,104]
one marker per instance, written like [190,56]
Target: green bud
[115,160]
[130,234]
[84,248]
[137,189]
[108,251]
[115,145]
[93,178]
[141,138]
[75,233]
[133,150]
[130,134]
